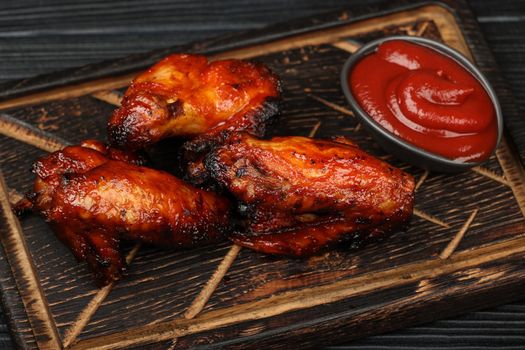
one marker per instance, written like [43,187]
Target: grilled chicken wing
[301,195]
[94,197]
[186,96]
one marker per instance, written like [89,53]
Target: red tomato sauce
[427,99]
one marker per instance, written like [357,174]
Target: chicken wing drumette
[187,96]
[301,195]
[94,197]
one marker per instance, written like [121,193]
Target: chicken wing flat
[187,96]
[299,195]
[94,197]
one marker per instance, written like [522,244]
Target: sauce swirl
[427,99]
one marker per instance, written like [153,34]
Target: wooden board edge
[508,157]
[308,297]
[26,278]
[12,305]
[349,322]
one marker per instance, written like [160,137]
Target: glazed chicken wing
[187,96]
[94,197]
[301,195]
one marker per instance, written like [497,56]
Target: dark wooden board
[161,285]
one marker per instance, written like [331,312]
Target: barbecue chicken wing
[187,96]
[301,195]
[94,197]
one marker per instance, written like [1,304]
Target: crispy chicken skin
[94,197]
[301,195]
[187,96]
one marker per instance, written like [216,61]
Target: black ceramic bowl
[397,146]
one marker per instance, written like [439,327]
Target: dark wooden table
[38,37]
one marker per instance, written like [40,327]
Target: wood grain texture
[67,84]
[352,312]
[29,134]
[466,262]
[209,288]
[33,297]
[318,60]
[71,334]
[451,247]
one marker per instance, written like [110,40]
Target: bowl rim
[371,46]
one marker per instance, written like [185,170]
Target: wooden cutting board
[464,250]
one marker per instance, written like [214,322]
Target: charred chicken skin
[187,96]
[94,197]
[301,195]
